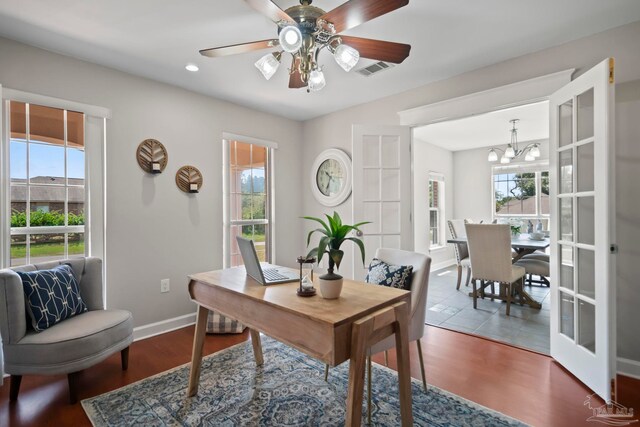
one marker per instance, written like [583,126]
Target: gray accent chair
[67,347]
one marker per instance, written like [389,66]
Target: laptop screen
[250,259]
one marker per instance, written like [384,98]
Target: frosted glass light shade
[535,151]
[510,152]
[316,81]
[346,57]
[268,65]
[493,156]
[504,159]
[290,39]
[529,157]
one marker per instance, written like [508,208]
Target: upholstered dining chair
[536,264]
[69,346]
[417,312]
[490,254]
[456,229]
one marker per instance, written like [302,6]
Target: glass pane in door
[565,124]
[565,172]
[566,266]
[565,231]
[587,325]
[585,214]
[586,273]
[585,167]
[566,314]
[585,115]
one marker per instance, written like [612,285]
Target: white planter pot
[330,289]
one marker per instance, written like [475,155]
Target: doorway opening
[455,182]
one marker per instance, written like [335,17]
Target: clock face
[330,177]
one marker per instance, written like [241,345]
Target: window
[521,191]
[47,183]
[436,210]
[249,200]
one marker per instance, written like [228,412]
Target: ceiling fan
[304,30]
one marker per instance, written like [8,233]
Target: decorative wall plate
[189,179]
[331,177]
[150,152]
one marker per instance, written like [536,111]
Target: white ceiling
[156,38]
[489,129]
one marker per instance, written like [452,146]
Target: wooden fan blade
[355,12]
[270,10]
[216,52]
[378,49]
[295,80]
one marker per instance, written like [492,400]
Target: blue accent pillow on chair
[51,296]
[394,276]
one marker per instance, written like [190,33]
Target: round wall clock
[331,177]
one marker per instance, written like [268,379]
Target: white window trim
[439,177]
[226,195]
[540,166]
[95,172]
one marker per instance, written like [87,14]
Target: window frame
[270,197]
[537,168]
[440,210]
[95,135]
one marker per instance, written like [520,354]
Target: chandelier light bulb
[268,64]
[529,157]
[290,39]
[346,57]
[510,152]
[535,151]
[504,159]
[493,156]
[316,81]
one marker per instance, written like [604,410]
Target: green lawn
[47,249]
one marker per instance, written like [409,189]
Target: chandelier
[530,151]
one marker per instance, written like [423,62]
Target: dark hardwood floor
[519,383]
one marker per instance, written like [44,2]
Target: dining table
[522,245]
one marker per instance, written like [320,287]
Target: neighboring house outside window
[436,210]
[249,201]
[47,183]
[521,192]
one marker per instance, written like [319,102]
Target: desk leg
[198,343]
[402,352]
[359,337]
[257,346]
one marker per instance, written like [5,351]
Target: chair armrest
[91,284]
[13,318]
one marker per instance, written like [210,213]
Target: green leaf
[332,224]
[360,245]
[317,230]
[336,255]
[337,219]
[326,227]
[322,247]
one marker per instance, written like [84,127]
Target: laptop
[269,275]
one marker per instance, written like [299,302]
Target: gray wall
[155,231]
[430,158]
[334,130]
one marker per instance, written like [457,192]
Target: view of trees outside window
[47,183]
[522,194]
[249,198]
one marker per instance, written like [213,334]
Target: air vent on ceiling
[374,68]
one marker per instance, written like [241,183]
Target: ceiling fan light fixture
[346,57]
[268,64]
[316,81]
[493,156]
[290,38]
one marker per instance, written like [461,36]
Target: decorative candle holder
[152,157]
[189,179]
[306,288]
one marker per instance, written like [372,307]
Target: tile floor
[525,327]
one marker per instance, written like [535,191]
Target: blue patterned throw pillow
[51,295]
[394,276]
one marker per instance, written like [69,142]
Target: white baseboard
[443,264]
[168,325]
[629,368]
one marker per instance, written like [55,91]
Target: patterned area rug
[288,390]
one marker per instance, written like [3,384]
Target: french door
[583,326]
[381,190]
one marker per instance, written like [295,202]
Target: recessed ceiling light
[192,67]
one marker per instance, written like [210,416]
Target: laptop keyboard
[272,274]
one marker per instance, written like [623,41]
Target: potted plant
[334,234]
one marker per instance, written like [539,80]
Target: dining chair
[536,264]
[456,229]
[417,311]
[490,254]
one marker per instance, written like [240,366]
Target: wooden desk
[318,327]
